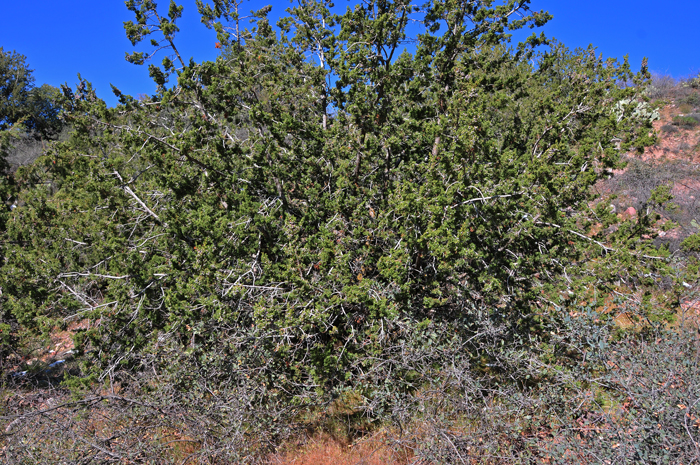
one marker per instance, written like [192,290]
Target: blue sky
[61,38]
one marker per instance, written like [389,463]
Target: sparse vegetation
[669,128]
[662,86]
[692,100]
[685,121]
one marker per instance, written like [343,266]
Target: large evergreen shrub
[278,230]
[312,206]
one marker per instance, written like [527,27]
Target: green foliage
[21,103]
[15,83]
[685,121]
[691,243]
[272,220]
[653,416]
[317,204]
[642,110]
[692,99]
[693,83]
[148,21]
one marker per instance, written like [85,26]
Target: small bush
[691,243]
[24,151]
[693,83]
[661,86]
[660,103]
[684,146]
[692,99]
[685,121]
[636,184]
[685,108]
[652,415]
[669,129]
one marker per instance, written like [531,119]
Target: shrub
[669,128]
[661,86]
[693,83]
[692,99]
[685,108]
[691,243]
[635,185]
[257,244]
[654,414]
[685,121]
[318,230]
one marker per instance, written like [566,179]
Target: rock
[631,211]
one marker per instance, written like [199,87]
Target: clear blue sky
[61,38]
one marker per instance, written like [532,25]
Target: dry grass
[326,450]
